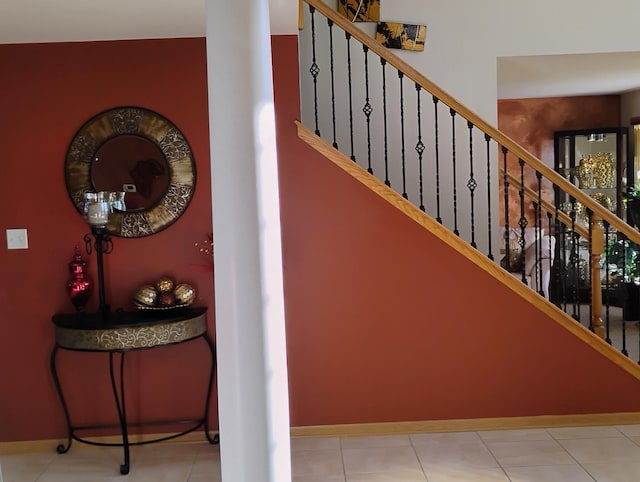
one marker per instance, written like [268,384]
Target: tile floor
[610,453]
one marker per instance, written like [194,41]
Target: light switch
[17,239]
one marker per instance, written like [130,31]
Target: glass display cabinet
[597,162]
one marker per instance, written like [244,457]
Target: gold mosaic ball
[164,284]
[184,293]
[146,295]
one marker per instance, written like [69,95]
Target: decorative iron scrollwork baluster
[367,109]
[472,184]
[522,222]
[420,146]
[314,69]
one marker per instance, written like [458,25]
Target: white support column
[250,333]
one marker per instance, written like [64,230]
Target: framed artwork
[401,35]
[360,10]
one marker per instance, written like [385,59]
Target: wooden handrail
[502,139]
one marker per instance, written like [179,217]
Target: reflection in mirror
[140,152]
[134,165]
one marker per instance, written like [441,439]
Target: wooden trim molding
[461,425]
[367,429]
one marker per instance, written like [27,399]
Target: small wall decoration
[360,10]
[401,35]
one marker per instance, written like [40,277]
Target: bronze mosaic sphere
[164,284]
[146,295]
[185,294]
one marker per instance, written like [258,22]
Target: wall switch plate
[17,239]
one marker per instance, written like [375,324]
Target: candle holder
[98,206]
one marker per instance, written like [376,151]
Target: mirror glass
[140,152]
[133,165]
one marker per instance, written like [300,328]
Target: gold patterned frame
[153,127]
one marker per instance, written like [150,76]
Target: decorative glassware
[117,202]
[97,207]
[586,172]
[89,198]
[605,170]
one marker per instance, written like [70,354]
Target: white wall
[465,37]
[464,40]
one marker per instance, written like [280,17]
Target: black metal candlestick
[102,245]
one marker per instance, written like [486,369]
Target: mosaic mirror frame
[138,121]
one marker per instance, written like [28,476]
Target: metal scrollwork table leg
[117,386]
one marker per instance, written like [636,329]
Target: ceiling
[27,21]
[568,75]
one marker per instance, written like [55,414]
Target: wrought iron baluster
[314,69]
[455,181]
[607,301]
[589,268]
[550,247]
[624,322]
[367,109]
[348,38]
[522,222]
[333,88]
[383,62]
[487,140]
[437,152]
[536,278]
[539,231]
[404,172]
[420,146]
[505,185]
[574,258]
[557,274]
[564,263]
[472,184]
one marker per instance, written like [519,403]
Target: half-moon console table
[124,331]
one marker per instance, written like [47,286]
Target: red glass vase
[79,285]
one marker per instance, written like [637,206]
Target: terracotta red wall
[384,322]
[47,91]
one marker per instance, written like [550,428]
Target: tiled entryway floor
[610,453]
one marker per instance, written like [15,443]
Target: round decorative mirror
[138,152]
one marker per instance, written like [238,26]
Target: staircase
[439,163]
